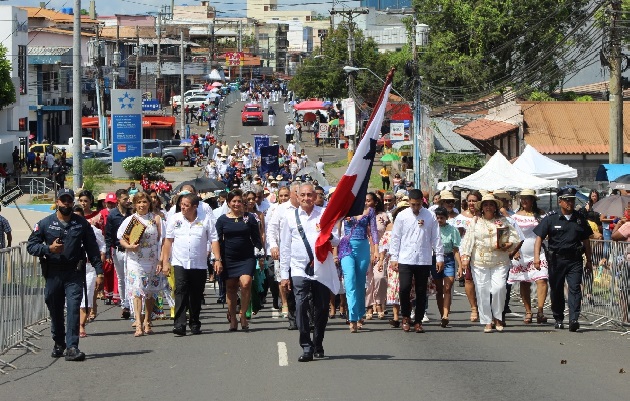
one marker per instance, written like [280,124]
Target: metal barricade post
[11,302]
[35,310]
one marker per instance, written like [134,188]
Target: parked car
[193,92]
[170,154]
[101,155]
[383,141]
[94,144]
[197,101]
[252,113]
[56,149]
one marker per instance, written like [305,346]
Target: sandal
[528,318]
[474,315]
[82,333]
[139,332]
[147,329]
[381,316]
[285,311]
[541,318]
[353,327]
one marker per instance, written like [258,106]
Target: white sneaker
[413,315]
[425,318]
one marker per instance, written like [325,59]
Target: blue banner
[269,159]
[127,136]
[259,142]
[150,105]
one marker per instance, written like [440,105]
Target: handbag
[310,268]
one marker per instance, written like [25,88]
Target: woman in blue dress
[239,235]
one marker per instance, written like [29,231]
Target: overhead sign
[126,127]
[11,195]
[150,105]
[234,59]
[323,131]
[397,131]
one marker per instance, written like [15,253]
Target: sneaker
[58,350]
[73,354]
[425,318]
[574,325]
[413,315]
[559,325]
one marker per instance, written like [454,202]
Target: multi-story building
[14,117]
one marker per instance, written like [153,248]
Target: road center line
[283,358]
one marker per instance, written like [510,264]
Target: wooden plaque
[134,231]
[503,236]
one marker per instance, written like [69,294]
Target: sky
[225,7]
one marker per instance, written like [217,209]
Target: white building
[14,118]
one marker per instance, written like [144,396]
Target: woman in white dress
[143,266]
[527,217]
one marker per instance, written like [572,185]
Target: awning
[610,172]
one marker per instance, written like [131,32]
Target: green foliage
[539,96]
[480,47]
[455,159]
[585,98]
[7,90]
[95,173]
[137,166]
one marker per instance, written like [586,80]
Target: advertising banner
[269,159]
[259,142]
[126,127]
[350,117]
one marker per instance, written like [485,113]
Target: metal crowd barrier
[606,290]
[35,310]
[20,301]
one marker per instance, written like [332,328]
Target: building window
[23,123]
[308,18]
[266,8]
[22,71]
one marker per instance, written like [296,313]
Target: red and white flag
[349,197]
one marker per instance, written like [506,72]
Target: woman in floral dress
[144,272]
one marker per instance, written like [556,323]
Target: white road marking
[283,358]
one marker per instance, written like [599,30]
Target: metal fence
[21,300]
[226,102]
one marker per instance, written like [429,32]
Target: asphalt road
[379,363]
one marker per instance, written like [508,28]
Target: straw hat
[500,194]
[447,195]
[486,198]
[402,204]
[279,177]
[527,192]
[101,196]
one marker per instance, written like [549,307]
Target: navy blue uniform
[565,260]
[64,282]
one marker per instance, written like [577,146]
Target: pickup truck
[170,154]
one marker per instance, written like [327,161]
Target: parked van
[193,92]
[94,144]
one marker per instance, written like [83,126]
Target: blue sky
[228,7]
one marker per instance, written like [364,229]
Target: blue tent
[610,172]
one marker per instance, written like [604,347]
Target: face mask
[65,210]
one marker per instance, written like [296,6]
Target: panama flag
[349,197]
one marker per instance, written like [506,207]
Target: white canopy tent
[533,162]
[497,174]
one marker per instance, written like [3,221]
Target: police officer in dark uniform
[61,241]
[568,237]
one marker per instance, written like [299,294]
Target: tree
[477,47]
[7,90]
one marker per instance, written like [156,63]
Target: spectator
[5,228]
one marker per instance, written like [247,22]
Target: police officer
[61,241]
[568,234]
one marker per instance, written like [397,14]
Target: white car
[196,101]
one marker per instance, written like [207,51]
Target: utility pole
[138,52]
[182,111]
[158,32]
[100,87]
[615,153]
[350,14]
[240,49]
[77,148]
[116,61]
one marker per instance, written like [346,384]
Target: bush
[137,166]
[93,167]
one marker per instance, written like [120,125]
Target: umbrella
[309,117]
[333,122]
[217,84]
[203,184]
[613,205]
[403,144]
[621,182]
[390,157]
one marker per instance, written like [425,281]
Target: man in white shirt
[298,275]
[288,132]
[415,237]
[189,240]
[320,166]
[291,148]
[247,162]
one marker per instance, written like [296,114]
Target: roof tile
[483,129]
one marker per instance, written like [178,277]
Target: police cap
[566,192]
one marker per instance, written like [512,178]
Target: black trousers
[421,274]
[189,285]
[303,288]
[64,289]
[570,269]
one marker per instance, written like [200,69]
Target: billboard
[126,127]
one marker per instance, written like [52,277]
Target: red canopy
[399,111]
[310,105]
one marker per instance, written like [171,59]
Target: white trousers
[490,281]
[272,120]
[119,264]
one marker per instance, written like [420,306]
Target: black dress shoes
[195,331]
[58,350]
[559,325]
[179,331]
[73,354]
[305,358]
[319,354]
[574,325]
[292,327]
